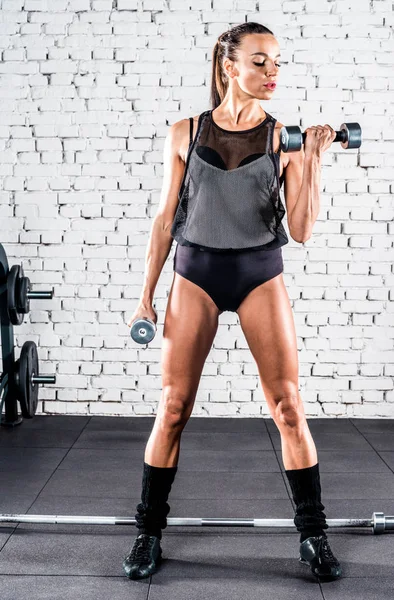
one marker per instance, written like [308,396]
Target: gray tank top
[229,196]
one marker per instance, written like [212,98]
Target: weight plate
[13,276]
[23,302]
[27,367]
[291,138]
[353,134]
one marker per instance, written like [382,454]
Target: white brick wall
[88,88]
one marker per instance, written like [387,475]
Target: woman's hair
[227,46]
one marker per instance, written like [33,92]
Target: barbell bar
[379,523]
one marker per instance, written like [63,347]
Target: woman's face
[256,65]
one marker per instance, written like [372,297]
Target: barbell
[379,523]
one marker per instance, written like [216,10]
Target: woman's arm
[304,175]
[160,240]
[302,182]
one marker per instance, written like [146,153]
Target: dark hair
[227,46]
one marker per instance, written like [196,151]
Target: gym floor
[93,466]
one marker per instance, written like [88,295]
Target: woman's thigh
[267,321]
[190,325]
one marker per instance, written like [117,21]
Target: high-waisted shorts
[227,277]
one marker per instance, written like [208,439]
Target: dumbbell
[291,138]
[143,331]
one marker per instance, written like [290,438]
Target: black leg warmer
[310,519]
[153,509]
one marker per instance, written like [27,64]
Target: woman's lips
[270,86]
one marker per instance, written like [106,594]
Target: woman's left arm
[307,206]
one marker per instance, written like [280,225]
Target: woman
[220,201]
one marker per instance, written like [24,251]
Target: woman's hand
[143,311]
[318,139]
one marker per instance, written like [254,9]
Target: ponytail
[219,82]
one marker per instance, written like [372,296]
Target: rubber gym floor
[228,467]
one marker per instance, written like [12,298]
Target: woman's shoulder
[179,132]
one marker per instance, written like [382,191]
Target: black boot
[316,552]
[310,521]
[145,555]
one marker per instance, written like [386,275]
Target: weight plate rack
[20,379]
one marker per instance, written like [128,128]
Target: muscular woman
[220,201]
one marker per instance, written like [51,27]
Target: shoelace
[326,549]
[141,549]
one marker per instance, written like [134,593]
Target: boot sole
[331,576]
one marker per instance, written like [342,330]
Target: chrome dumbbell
[291,138]
[143,331]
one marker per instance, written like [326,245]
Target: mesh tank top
[229,196]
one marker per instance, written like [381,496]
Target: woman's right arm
[160,240]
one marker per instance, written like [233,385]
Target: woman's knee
[175,410]
[288,411]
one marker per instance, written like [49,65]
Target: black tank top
[229,196]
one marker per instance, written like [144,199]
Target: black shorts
[227,278]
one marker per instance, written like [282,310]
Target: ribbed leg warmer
[153,509]
[309,519]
